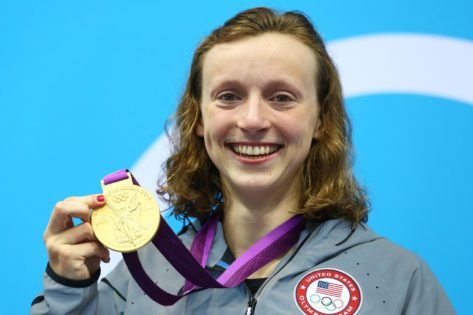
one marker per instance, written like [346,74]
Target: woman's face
[259,112]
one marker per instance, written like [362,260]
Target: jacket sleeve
[63,296]
[426,295]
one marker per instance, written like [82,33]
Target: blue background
[85,87]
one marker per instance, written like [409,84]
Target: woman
[262,137]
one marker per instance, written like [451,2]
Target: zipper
[251,306]
[252,301]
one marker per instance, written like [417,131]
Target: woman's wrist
[71,282]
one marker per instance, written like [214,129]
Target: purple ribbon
[191,265]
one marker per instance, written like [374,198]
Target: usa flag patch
[327,292]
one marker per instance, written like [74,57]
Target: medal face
[129,219]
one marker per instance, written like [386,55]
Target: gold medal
[128,220]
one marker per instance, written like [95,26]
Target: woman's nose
[253,116]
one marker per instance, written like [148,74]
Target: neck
[246,220]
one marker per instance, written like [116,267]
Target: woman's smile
[254,152]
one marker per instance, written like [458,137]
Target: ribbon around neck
[191,264]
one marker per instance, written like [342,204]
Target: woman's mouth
[254,151]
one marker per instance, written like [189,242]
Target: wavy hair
[329,189]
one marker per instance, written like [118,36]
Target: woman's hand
[73,251]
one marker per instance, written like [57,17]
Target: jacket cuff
[70,282]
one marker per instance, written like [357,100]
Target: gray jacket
[332,270]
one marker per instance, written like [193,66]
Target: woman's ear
[199,129]
[318,130]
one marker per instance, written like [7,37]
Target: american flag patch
[327,288]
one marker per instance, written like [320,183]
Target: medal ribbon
[191,264]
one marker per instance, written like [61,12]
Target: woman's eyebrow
[225,83]
[284,85]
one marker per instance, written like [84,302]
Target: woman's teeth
[251,150]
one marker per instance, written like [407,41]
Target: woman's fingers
[73,207]
[73,251]
[69,254]
[76,235]
[69,244]
[91,249]
[78,261]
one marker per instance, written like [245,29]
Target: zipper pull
[251,306]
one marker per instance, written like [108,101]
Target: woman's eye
[282,98]
[228,97]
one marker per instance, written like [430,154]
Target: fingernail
[100,198]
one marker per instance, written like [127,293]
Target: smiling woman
[262,161]
[304,74]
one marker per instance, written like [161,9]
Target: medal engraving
[129,219]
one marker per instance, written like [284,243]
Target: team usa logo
[328,291]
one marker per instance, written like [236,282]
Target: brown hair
[329,187]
